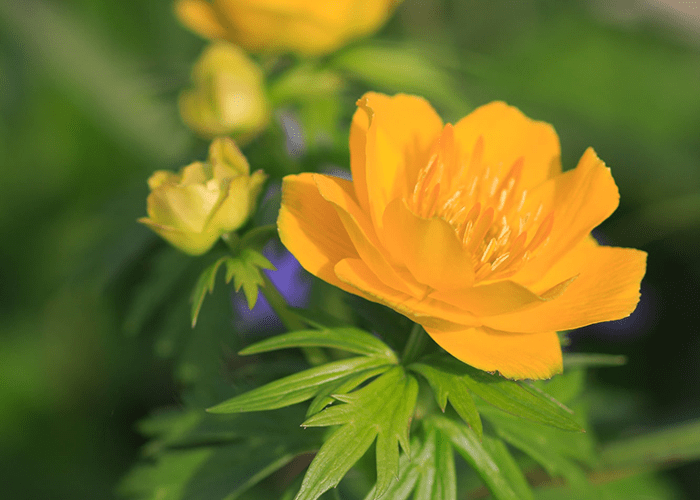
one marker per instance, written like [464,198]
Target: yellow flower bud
[309,27]
[193,208]
[228,96]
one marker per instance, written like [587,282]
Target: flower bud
[228,96]
[193,208]
[307,27]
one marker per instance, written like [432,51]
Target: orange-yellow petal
[580,199]
[499,297]
[606,289]
[402,130]
[507,136]
[200,17]
[429,248]
[310,228]
[514,355]
[361,233]
[424,310]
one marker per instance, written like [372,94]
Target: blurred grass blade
[673,444]
[586,360]
[103,81]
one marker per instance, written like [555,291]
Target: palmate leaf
[346,339]
[468,445]
[556,451]
[448,386]
[298,387]
[383,410]
[507,395]
[429,472]
[243,269]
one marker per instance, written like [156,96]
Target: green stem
[415,345]
[314,355]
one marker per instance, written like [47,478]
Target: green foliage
[298,387]
[198,456]
[346,339]
[448,375]
[383,410]
[244,269]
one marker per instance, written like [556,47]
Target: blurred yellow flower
[309,27]
[471,230]
[193,208]
[228,97]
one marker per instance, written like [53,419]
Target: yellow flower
[471,230]
[193,208]
[228,97]
[304,26]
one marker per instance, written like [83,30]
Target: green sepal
[346,339]
[383,410]
[296,388]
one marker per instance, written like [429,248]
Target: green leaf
[196,456]
[402,68]
[467,444]
[346,339]
[245,271]
[448,386]
[344,385]
[508,467]
[677,443]
[552,448]
[430,471]
[382,410]
[438,479]
[586,360]
[296,388]
[510,396]
[205,284]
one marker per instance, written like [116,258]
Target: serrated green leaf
[205,284]
[565,387]
[346,339]
[347,384]
[510,396]
[438,480]
[295,388]
[382,410]
[586,360]
[448,386]
[245,271]
[467,444]
[508,467]
[513,398]
[551,448]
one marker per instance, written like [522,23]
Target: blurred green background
[88,112]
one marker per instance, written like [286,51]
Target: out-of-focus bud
[193,208]
[309,27]
[228,95]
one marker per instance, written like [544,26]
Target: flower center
[486,211]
